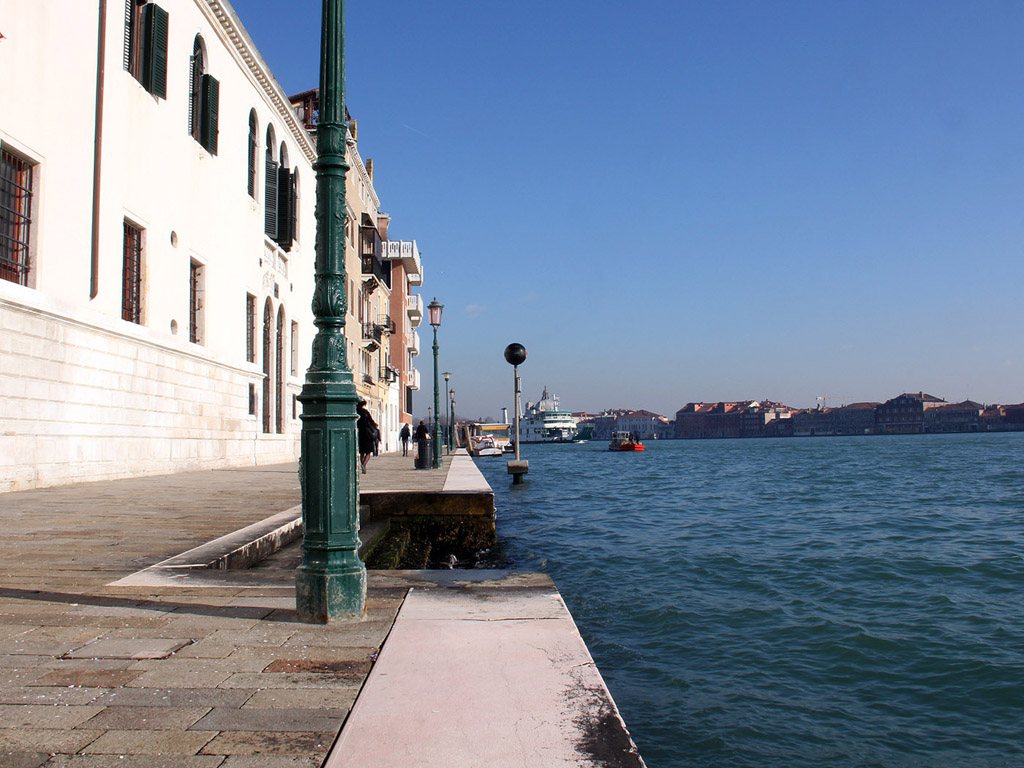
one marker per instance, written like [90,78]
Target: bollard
[517,468]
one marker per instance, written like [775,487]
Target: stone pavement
[223,675]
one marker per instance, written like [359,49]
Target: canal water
[781,603]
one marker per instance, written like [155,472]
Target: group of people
[368,435]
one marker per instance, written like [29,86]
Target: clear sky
[667,200]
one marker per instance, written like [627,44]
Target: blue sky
[676,201]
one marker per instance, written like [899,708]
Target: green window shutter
[270,200]
[208,113]
[293,203]
[284,208]
[154,55]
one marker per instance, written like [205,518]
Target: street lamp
[447,440]
[454,437]
[331,581]
[515,355]
[434,310]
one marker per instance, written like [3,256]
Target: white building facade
[156,244]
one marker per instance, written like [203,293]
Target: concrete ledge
[478,675]
[244,547]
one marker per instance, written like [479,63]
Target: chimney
[369,167]
[352,129]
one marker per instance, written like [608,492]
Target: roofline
[223,17]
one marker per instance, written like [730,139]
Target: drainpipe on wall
[101,49]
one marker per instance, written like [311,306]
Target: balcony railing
[414,379]
[414,308]
[414,343]
[373,334]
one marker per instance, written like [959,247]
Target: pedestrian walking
[405,435]
[367,434]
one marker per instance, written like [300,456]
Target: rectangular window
[145,45]
[195,303]
[252,399]
[15,217]
[250,328]
[295,348]
[131,274]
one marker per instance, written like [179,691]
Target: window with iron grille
[131,275]
[250,328]
[195,302]
[15,217]
[145,45]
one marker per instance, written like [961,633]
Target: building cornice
[224,19]
[360,166]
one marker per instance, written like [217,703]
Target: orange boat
[624,441]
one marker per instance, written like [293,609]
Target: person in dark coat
[422,433]
[367,434]
[404,435]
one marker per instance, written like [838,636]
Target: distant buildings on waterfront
[907,414]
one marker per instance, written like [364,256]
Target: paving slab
[263,720]
[519,688]
[149,742]
[135,761]
[150,648]
[147,718]
[277,743]
[177,697]
[53,740]
[44,715]
[23,759]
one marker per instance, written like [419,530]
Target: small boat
[624,441]
[484,446]
[487,439]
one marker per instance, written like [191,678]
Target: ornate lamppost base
[321,596]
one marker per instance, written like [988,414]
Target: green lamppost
[331,581]
[447,416]
[434,315]
[451,420]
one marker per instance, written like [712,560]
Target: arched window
[253,152]
[268,357]
[270,187]
[204,99]
[279,400]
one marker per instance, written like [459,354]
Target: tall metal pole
[437,409]
[331,581]
[514,355]
[515,370]
[447,415]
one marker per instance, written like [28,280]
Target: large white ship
[543,422]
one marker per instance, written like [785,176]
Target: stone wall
[98,399]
